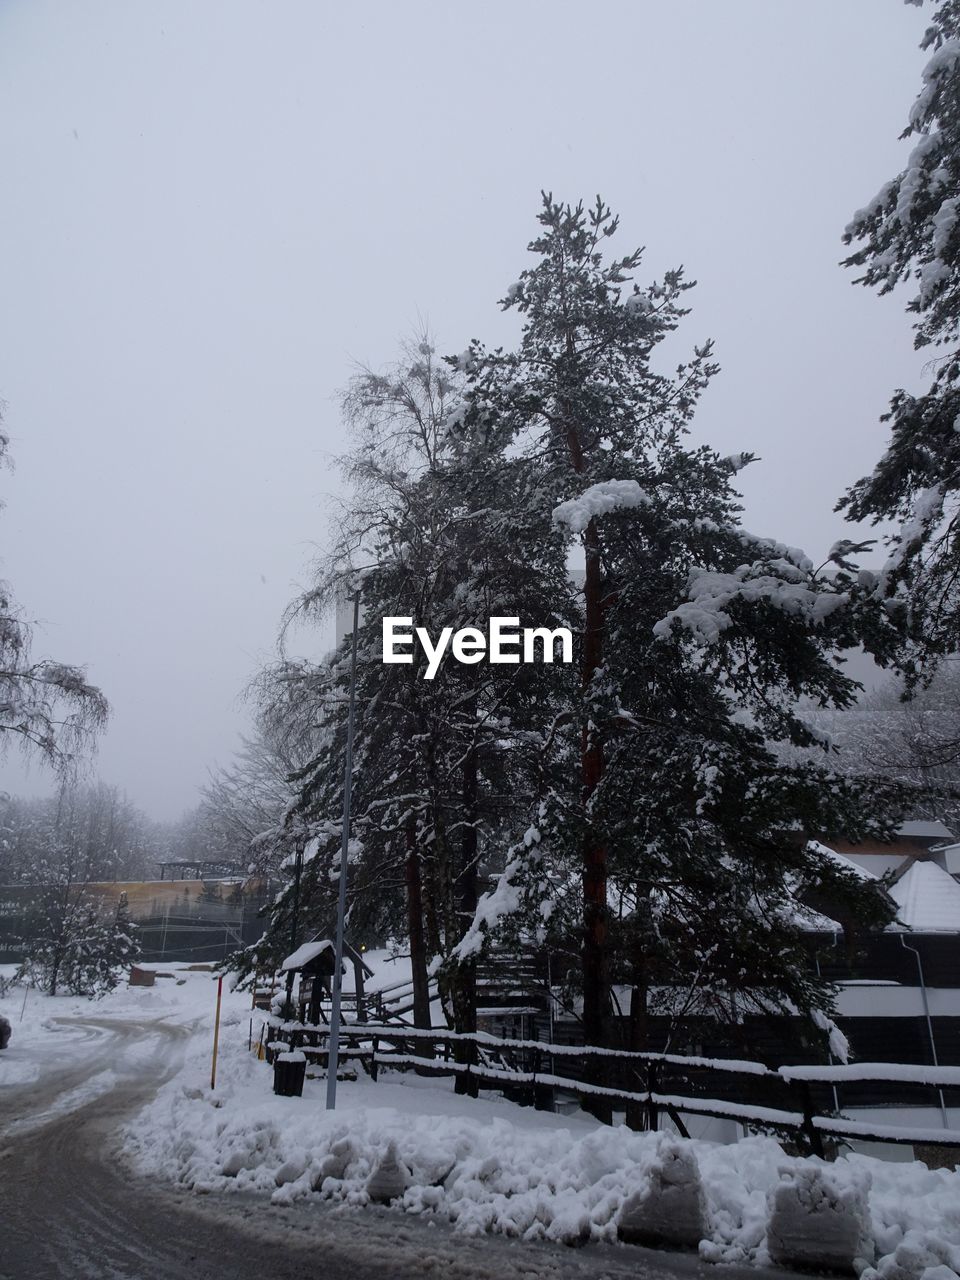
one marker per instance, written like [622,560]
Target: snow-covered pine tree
[439,764]
[103,948]
[70,940]
[910,233]
[77,944]
[665,790]
[46,945]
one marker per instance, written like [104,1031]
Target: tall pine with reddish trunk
[579,390]
[672,833]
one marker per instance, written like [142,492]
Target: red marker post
[216,1035]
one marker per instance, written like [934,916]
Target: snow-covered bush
[76,946]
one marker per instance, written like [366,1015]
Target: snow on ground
[484,1165]
[388,967]
[491,1166]
[49,1033]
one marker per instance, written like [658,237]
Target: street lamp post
[333,1055]
[294,927]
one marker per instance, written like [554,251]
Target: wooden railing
[784,1100]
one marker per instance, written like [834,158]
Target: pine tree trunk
[431,918]
[430,868]
[642,938]
[439,907]
[418,950]
[464,985]
[596,977]
[637,1036]
[594,958]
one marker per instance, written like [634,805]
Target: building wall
[179,920]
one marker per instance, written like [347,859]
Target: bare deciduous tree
[48,707]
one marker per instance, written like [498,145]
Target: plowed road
[70,1210]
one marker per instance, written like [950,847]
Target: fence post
[653,1083]
[373,1062]
[470,1085]
[812,1133]
[542,1093]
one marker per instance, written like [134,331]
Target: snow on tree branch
[599,500]
[707,612]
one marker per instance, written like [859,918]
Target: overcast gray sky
[210,210]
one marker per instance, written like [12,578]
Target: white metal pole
[929,1020]
[333,1056]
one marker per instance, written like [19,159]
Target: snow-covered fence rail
[646,1080]
[855,1072]
[397,999]
[766,1116]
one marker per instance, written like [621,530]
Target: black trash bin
[288,1073]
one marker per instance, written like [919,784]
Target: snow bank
[488,1166]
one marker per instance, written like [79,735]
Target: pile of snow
[487,1165]
[819,1222]
[671,1207]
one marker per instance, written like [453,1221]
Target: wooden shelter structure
[314,962]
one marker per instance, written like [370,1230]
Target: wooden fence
[791,1100]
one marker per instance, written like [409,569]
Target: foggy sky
[210,211]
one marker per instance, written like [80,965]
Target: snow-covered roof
[842,860]
[928,899]
[811,921]
[305,953]
[925,830]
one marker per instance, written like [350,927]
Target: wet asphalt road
[70,1210]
